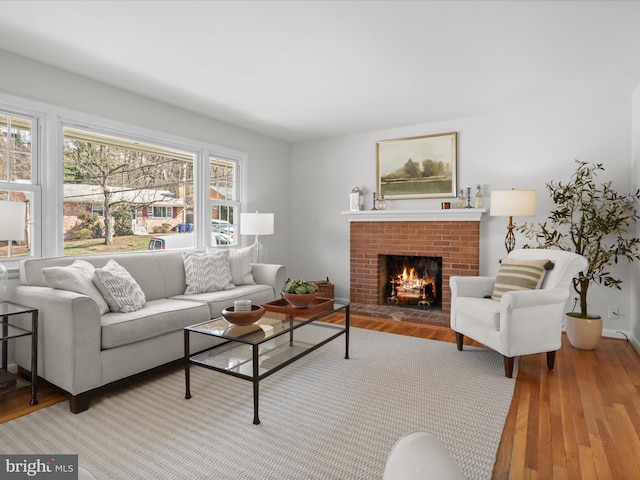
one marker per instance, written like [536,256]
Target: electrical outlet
[614,312]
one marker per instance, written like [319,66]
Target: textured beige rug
[323,417]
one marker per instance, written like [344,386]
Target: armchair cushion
[519,275]
[482,310]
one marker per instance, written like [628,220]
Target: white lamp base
[261,250]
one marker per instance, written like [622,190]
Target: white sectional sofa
[82,350]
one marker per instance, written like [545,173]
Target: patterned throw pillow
[207,272]
[121,292]
[76,278]
[519,275]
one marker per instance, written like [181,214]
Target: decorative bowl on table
[243,318]
[299,293]
[299,300]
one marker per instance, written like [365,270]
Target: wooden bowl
[243,318]
[299,300]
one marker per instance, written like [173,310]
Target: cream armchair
[521,322]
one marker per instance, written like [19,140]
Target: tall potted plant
[594,221]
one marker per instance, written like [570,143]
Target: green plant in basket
[299,286]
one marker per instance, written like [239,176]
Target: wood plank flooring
[579,421]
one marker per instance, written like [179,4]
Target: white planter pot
[583,333]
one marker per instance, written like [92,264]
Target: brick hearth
[457,242]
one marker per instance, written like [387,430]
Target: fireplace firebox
[410,281]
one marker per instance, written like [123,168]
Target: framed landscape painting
[417,167]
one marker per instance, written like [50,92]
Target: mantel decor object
[356,200]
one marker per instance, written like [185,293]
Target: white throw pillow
[207,272]
[240,260]
[118,287]
[76,278]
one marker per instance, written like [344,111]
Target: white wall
[635,277]
[268,159]
[523,148]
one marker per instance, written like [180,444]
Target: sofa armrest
[269,274]
[69,333]
[477,287]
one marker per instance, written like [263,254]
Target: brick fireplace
[457,242]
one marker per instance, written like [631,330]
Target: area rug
[323,417]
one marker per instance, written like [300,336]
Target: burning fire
[409,285]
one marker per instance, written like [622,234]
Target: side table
[11,331]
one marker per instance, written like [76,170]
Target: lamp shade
[256,223]
[513,203]
[12,220]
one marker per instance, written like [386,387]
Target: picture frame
[417,167]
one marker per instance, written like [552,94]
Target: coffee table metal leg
[34,357]
[291,332]
[346,334]
[187,372]
[256,382]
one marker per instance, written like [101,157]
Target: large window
[119,194]
[18,175]
[96,186]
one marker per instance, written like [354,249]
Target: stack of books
[7,380]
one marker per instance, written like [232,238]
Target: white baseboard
[616,334]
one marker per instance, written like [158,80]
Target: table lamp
[12,223]
[256,224]
[512,203]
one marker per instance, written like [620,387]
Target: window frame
[46,213]
[236,205]
[201,151]
[34,187]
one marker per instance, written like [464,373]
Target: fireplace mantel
[453,215]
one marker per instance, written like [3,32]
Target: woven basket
[325,288]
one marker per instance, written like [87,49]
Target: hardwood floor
[578,421]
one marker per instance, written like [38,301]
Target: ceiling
[302,70]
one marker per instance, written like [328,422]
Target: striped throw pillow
[519,275]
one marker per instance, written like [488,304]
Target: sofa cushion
[482,310]
[156,318]
[218,301]
[240,260]
[118,288]
[76,278]
[207,272]
[519,275]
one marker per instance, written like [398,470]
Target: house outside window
[160,212]
[19,159]
[120,192]
[98,209]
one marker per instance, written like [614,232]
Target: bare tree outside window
[128,180]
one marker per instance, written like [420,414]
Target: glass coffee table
[280,337]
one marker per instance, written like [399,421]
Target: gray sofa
[82,350]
